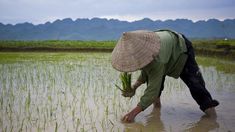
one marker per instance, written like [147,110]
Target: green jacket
[170,61]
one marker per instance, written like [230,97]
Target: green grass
[220,65]
[218,44]
[222,48]
[100,44]
[8,57]
[56,44]
[208,43]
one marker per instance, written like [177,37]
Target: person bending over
[159,54]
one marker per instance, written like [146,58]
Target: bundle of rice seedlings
[126,83]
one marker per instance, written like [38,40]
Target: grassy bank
[221,48]
[219,64]
[217,48]
[57,45]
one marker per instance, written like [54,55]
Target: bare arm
[137,84]
[129,117]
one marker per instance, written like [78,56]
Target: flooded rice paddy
[76,92]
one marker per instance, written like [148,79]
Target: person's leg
[157,102]
[192,77]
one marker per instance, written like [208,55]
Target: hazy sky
[41,11]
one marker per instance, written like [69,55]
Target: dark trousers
[192,77]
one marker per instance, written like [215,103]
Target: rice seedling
[69,92]
[126,89]
[27,102]
[56,127]
[77,124]
[22,125]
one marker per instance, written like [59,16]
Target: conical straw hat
[134,50]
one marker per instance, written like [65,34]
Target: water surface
[75,91]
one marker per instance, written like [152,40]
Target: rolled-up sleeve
[155,75]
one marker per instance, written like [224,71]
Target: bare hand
[129,117]
[128,94]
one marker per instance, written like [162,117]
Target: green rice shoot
[126,83]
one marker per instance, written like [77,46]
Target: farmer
[159,54]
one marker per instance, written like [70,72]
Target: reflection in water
[149,123]
[75,92]
[153,122]
[205,124]
[180,113]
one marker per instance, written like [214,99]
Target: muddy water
[179,112]
[75,92]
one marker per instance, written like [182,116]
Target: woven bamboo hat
[134,50]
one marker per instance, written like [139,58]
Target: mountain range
[104,29]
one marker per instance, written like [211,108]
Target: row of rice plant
[74,93]
[59,95]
